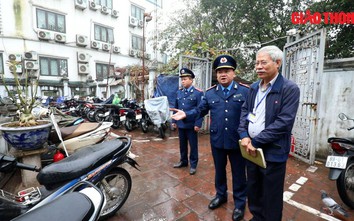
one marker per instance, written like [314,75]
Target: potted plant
[25,132]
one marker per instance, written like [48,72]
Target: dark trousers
[265,191]
[190,135]
[238,172]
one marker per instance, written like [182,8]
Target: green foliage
[215,26]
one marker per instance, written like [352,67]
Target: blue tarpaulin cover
[167,85]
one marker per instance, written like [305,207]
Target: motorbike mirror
[342,116]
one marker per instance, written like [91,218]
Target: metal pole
[109,68]
[143,72]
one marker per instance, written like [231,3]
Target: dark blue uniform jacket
[186,101]
[224,114]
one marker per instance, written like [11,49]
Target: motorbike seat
[73,206]
[79,163]
[347,140]
[73,131]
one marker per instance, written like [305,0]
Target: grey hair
[273,51]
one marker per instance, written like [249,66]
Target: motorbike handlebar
[350,128]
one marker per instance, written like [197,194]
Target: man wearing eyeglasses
[267,119]
[224,102]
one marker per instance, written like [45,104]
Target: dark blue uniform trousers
[265,191]
[238,172]
[190,135]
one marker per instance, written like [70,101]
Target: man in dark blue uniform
[224,102]
[188,98]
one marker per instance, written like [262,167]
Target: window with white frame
[102,71]
[137,12]
[137,42]
[156,2]
[107,3]
[104,34]
[53,66]
[50,21]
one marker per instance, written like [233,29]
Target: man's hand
[246,143]
[196,129]
[179,115]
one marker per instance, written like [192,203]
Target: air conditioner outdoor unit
[93,5]
[60,37]
[83,68]
[31,65]
[95,44]
[31,55]
[104,10]
[83,57]
[80,4]
[16,68]
[133,22]
[116,49]
[141,23]
[132,52]
[15,57]
[44,35]
[139,54]
[115,13]
[105,47]
[81,40]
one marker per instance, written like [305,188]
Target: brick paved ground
[160,192]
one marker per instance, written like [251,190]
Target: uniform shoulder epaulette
[211,87]
[198,89]
[245,85]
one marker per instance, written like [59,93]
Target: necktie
[226,91]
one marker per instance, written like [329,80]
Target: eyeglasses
[262,63]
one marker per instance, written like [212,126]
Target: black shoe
[216,202]
[180,164]
[237,215]
[192,171]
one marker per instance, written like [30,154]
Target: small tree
[23,95]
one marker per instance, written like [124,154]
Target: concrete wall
[337,96]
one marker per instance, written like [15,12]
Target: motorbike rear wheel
[144,125]
[128,125]
[116,123]
[116,192]
[345,184]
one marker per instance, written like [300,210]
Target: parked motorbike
[83,202]
[108,113]
[341,164]
[132,113]
[97,164]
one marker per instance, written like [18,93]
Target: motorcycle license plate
[122,118]
[336,162]
[139,116]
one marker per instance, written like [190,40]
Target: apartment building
[80,47]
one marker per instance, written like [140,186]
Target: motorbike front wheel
[91,115]
[116,186]
[99,115]
[345,184]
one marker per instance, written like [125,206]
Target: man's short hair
[274,52]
